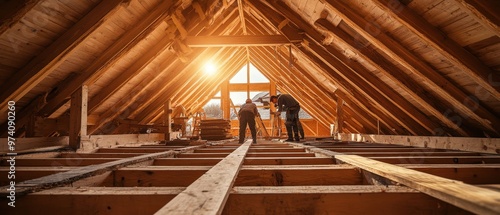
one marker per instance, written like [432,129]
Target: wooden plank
[58,161]
[132,150]
[83,172]
[94,200]
[55,54]
[345,72]
[454,192]
[260,154]
[383,149]
[186,161]
[111,55]
[459,57]
[440,159]
[98,155]
[23,173]
[283,200]
[467,173]
[392,72]
[288,161]
[472,198]
[484,12]
[209,193]
[102,141]
[23,144]
[482,145]
[247,40]
[442,86]
[280,154]
[410,154]
[299,176]
[157,177]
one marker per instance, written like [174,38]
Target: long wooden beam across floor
[268,175]
[367,199]
[472,144]
[86,171]
[247,40]
[469,197]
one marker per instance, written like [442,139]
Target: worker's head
[248,101]
[273,99]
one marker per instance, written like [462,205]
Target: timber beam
[55,54]
[242,200]
[247,40]
[472,198]
[105,165]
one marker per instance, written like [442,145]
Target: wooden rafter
[247,40]
[402,79]
[484,12]
[114,53]
[460,57]
[346,74]
[444,88]
[55,54]
[277,59]
[285,79]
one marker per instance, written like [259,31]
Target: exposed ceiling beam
[55,54]
[247,40]
[443,87]
[242,17]
[399,77]
[130,72]
[271,64]
[114,53]
[461,58]
[347,73]
[351,93]
[484,12]
[13,11]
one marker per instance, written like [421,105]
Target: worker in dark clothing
[247,114]
[287,103]
[301,129]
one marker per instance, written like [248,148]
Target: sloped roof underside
[413,67]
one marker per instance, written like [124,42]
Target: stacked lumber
[215,129]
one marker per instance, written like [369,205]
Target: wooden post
[225,104]
[78,117]
[339,121]
[167,118]
[272,109]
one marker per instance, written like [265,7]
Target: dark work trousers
[247,117]
[292,118]
[301,129]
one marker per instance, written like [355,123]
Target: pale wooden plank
[208,194]
[472,198]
